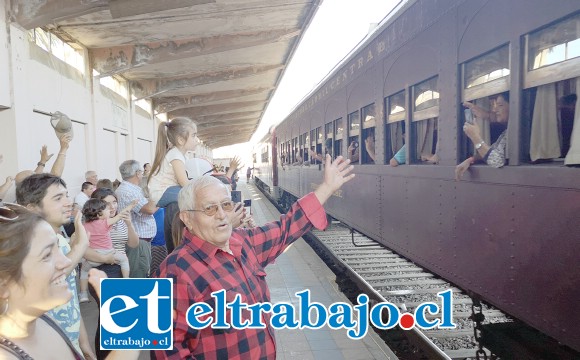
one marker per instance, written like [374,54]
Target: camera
[355,144]
[468,116]
[248,206]
[236,196]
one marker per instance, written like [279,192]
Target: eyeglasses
[211,210]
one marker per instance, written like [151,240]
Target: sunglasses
[211,210]
[8,214]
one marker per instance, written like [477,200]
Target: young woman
[32,281]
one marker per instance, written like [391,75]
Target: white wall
[108,129]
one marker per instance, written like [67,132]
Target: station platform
[299,268]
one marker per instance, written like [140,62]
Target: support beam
[115,60]
[32,14]
[149,88]
[228,117]
[224,126]
[125,8]
[168,104]
[197,111]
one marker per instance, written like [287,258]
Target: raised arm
[44,158]
[122,213]
[234,164]
[58,166]
[79,244]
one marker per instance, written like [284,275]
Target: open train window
[395,127]
[319,140]
[295,154]
[551,84]
[353,137]
[338,133]
[368,150]
[303,148]
[484,77]
[328,139]
[312,145]
[424,118]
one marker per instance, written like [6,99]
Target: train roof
[216,61]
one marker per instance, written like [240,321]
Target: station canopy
[215,61]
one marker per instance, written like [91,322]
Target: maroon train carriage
[509,235]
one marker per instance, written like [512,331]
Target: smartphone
[248,206]
[468,116]
[355,144]
[236,196]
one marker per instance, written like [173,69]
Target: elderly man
[142,216]
[92,177]
[213,257]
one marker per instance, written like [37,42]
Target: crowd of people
[124,229]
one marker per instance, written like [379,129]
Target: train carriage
[509,234]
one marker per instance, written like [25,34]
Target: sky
[337,27]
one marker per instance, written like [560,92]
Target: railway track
[388,277]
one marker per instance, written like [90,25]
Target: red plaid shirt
[199,268]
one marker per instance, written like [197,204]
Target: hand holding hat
[62,124]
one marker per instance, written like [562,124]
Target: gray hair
[129,168]
[186,198]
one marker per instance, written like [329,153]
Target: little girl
[98,222]
[174,139]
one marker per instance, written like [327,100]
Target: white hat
[61,124]
[198,167]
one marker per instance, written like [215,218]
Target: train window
[368,134]
[548,116]
[487,74]
[424,122]
[557,43]
[303,147]
[281,153]
[353,137]
[549,100]
[395,127]
[295,156]
[329,139]
[319,137]
[492,128]
[338,133]
[313,145]
[483,78]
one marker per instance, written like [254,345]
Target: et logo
[136,314]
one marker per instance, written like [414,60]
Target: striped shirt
[120,236]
